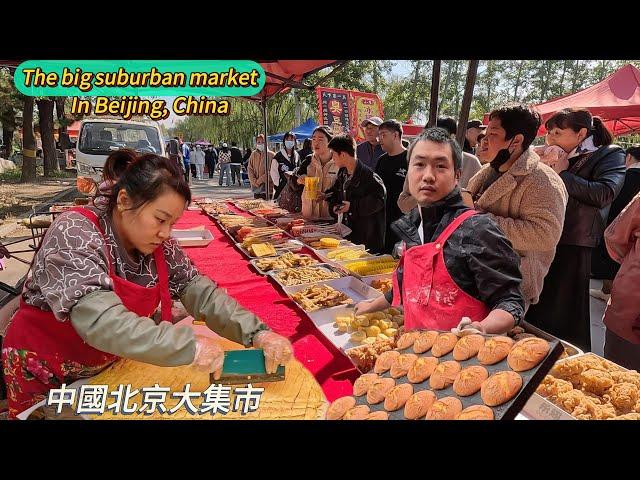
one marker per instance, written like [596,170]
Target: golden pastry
[527,353]
[379,390]
[424,341]
[468,347]
[397,397]
[476,412]
[627,416]
[339,407]
[379,415]
[470,380]
[447,408]
[445,342]
[361,412]
[407,339]
[363,383]
[422,369]
[419,404]
[444,375]
[500,387]
[494,350]
[385,361]
[402,364]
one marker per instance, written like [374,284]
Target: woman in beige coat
[259,171]
[526,198]
[319,164]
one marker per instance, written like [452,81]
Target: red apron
[40,352]
[430,297]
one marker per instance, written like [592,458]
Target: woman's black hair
[324,130]
[148,177]
[578,118]
[116,163]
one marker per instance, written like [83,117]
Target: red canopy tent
[616,100]
[282,75]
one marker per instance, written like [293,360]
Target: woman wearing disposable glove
[98,278]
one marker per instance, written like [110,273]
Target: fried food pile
[316,297]
[303,275]
[591,388]
[287,260]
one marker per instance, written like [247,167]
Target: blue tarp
[302,132]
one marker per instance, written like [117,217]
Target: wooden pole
[463,118]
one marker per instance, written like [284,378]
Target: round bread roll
[445,342]
[402,365]
[494,350]
[397,397]
[468,347]
[379,390]
[363,383]
[476,412]
[425,341]
[385,360]
[527,353]
[419,404]
[470,380]
[379,415]
[361,412]
[339,407]
[447,408]
[444,375]
[407,339]
[422,369]
[500,387]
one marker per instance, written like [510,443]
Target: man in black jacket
[473,272]
[359,194]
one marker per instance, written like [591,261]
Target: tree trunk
[435,91]
[45,112]
[7,139]
[463,118]
[28,143]
[518,79]
[574,81]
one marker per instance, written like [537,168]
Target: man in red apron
[456,262]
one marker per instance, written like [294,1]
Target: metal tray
[322,253]
[322,266]
[266,272]
[345,266]
[507,411]
[539,408]
[289,246]
[350,286]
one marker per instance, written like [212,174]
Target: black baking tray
[507,411]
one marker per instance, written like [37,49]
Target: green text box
[199,71]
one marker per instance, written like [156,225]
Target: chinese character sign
[364,105]
[343,110]
[334,110]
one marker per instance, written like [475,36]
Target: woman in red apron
[78,314]
[456,263]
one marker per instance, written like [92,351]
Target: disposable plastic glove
[467,327]
[277,349]
[209,356]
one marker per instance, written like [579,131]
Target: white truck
[98,137]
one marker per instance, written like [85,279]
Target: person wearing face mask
[456,262]
[259,170]
[286,160]
[593,173]
[198,161]
[99,277]
[318,165]
[526,198]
